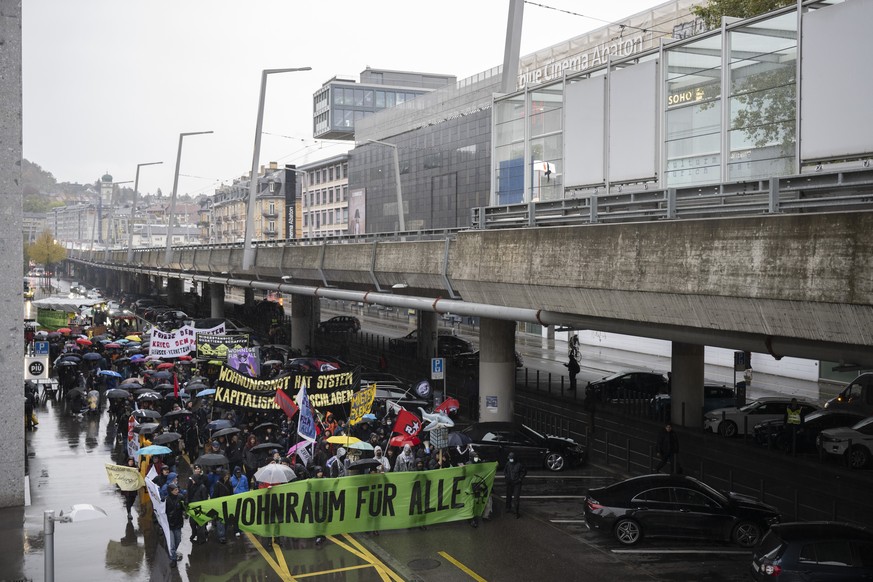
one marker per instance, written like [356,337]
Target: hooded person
[405,460]
[377,454]
[335,465]
[239,481]
[172,479]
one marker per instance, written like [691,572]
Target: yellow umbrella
[133,338]
[343,440]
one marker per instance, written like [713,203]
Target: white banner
[159,507]
[178,342]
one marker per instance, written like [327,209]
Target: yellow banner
[127,478]
[362,403]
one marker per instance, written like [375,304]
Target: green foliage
[713,10]
[769,107]
[45,251]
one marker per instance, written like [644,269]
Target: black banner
[215,347]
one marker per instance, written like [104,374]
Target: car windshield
[751,405]
[863,423]
[532,432]
[721,496]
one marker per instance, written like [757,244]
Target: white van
[857,396]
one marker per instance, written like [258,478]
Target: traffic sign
[40,348]
[437,368]
[36,368]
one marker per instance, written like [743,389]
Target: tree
[713,10]
[45,251]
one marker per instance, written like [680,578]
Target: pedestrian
[318,473]
[175,519]
[385,463]
[222,488]
[130,496]
[198,490]
[572,369]
[793,421]
[668,450]
[514,473]
[405,460]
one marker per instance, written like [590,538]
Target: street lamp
[81,512]
[248,250]
[169,251]
[400,213]
[133,211]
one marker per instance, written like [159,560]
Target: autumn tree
[45,251]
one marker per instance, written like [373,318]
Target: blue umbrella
[369,416]
[207,392]
[92,356]
[112,373]
[154,450]
[219,424]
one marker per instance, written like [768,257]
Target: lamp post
[133,211]
[400,213]
[169,250]
[82,512]
[305,175]
[248,250]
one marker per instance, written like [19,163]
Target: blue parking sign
[437,368]
[40,348]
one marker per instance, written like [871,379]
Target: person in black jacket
[668,449]
[222,488]
[198,490]
[175,519]
[514,473]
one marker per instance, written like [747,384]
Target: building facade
[325,197]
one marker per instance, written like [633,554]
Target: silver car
[732,421]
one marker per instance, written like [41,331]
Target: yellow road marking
[280,558]
[284,574]
[463,568]
[384,571]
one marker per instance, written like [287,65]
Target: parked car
[773,432]
[471,360]
[854,444]
[628,384]
[407,343]
[814,550]
[449,346]
[857,396]
[714,396]
[494,441]
[732,421]
[340,323]
[676,506]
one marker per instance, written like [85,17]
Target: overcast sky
[109,84]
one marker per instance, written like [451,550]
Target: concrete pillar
[12,340]
[108,280]
[248,297]
[687,385]
[305,314]
[143,284]
[216,300]
[123,281]
[174,292]
[427,334]
[496,370]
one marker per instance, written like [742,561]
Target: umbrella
[148,428]
[112,346]
[299,445]
[152,358]
[266,447]
[92,356]
[225,432]
[206,392]
[343,440]
[458,439]
[112,373]
[265,425]
[83,341]
[137,358]
[165,366]
[361,446]
[164,386]
[363,463]
[185,363]
[53,335]
[401,440]
[184,358]
[65,330]
[275,473]
[163,375]
[67,364]
[180,412]
[211,459]
[196,386]
[122,360]
[70,358]
[122,341]
[41,333]
[133,338]
[369,416]
[75,392]
[154,450]
[146,414]
[117,393]
[219,424]
[166,437]
[149,396]
[273,363]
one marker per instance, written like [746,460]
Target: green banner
[51,318]
[372,502]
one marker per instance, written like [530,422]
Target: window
[330,173]
[380,99]
[836,553]
[389,99]
[368,98]
[345,170]
[659,495]
[689,497]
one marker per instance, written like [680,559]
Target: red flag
[286,404]
[407,424]
[175,385]
[448,405]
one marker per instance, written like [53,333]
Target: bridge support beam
[496,370]
[174,292]
[687,385]
[108,280]
[124,281]
[248,297]
[427,334]
[305,314]
[216,300]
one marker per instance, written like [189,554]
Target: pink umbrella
[294,448]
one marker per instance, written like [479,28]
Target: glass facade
[338,106]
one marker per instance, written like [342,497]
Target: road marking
[712,551]
[283,574]
[462,567]
[335,571]
[567,520]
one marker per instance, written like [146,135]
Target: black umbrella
[92,356]
[117,393]
[67,364]
[144,414]
[363,463]
[174,413]
[164,386]
[211,459]
[149,396]
[219,424]
[121,361]
[69,358]
[225,432]
[265,425]
[266,447]
[195,386]
[75,392]
[139,391]
[458,439]
[147,428]
[163,375]
[166,437]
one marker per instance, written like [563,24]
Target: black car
[449,346]
[676,506]
[408,343]
[814,550]
[340,323]
[714,396]
[494,441]
[773,432]
[471,360]
[628,384]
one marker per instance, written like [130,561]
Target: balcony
[270,213]
[270,232]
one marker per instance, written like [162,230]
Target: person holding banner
[175,519]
